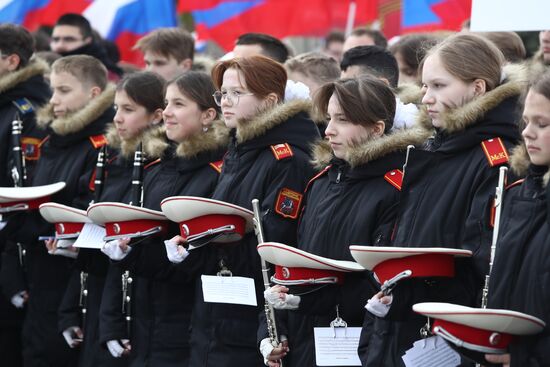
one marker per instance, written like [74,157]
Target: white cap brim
[503,321]
[10,194]
[108,212]
[181,208]
[370,256]
[58,213]
[288,256]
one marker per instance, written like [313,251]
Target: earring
[205,128]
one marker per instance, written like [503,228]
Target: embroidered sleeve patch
[395,178]
[23,105]
[217,166]
[495,151]
[31,148]
[288,203]
[98,141]
[282,151]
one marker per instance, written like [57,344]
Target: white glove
[266,348]
[118,347]
[19,299]
[65,243]
[296,90]
[64,252]
[176,253]
[286,302]
[377,308]
[113,250]
[73,336]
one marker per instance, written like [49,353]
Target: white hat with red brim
[68,221]
[482,330]
[200,218]
[127,221]
[27,198]
[388,262]
[297,267]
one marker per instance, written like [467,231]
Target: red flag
[279,18]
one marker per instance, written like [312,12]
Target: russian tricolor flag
[121,21]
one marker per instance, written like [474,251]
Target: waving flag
[226,20]
[121,21]
[125,21]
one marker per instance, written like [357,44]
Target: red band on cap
[202,224]
[284,273]
[68,228]
[132,226]
[423,265]
[485,338]
[33,204]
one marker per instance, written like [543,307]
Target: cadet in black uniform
[471,105]
[138,102]
[353,200]
[520,274]
[268,160]
[22,91]
[74,120]
[189,165]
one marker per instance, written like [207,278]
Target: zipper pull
[339,176]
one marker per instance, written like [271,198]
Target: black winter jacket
[446,202]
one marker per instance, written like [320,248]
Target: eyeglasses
[231,95]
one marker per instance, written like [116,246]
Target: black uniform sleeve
[69,310]
[112,324]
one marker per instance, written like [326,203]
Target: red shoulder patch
[495,151]
[31,148]
[288,203]
[395,178]
[217,166]
[282,151]
[150,164]
[98,141]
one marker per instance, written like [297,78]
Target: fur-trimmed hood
[520,163]
[153,138]
[78,120]
[373,149]
[10,80]
[248,129]
[409,93]
[456,120]
[215,138]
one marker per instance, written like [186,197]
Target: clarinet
[18,172]
[268,308]
[136,200]
[137,178]
[499,194]
[99,174]
[83,300]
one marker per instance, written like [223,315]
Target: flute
[499,195]
[268,308]
[18,172]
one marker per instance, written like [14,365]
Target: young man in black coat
[74,121]
[22,91]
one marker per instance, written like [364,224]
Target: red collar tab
[98,141]
[282,151]
[423,265]
[306,276]
[395,178]
[495,151]
[217,166]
